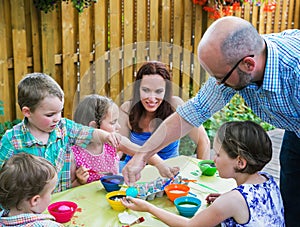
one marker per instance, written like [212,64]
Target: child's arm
[78,176]
[231,204]
[82,176]
[130,148]
[102,136]
[200,138]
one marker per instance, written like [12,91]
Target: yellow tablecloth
[94,211]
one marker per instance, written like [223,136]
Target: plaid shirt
[32,220]
[66,134]
[277,101]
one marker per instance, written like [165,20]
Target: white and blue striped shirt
[277,101]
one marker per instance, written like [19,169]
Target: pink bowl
[63,211]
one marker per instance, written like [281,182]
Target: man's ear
[249,64]
[93,124]
[26,111]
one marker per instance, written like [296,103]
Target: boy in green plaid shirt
[43,132]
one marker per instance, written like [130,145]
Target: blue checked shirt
[277,101]
[66,134]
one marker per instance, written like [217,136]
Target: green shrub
[235,110]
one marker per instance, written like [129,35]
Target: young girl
[89,163]
[242,150]
[26,184]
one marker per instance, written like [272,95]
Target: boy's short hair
[22,177]
[34,87]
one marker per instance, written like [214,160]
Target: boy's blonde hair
[34,87]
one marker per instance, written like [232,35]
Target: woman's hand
[167,171]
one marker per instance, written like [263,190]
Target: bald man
[265,71]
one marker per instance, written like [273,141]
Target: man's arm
[171,129]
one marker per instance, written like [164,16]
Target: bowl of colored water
[187,206]
[112,183]
[63,211]
[114,200]
[174,191]
[207,167]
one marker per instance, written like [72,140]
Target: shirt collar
[31,140]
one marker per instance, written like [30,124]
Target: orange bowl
[174,191]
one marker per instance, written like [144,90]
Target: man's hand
[132,170]
[167,171]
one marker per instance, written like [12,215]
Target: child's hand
[135,204]
[113,139]
[212,197]
[167,171]
[82,175]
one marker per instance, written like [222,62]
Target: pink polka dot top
[107,161]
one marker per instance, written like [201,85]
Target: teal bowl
[187,206]
[207,167]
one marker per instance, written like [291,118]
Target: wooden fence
[99,50]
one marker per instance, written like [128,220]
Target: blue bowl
[187,206]
[112,183]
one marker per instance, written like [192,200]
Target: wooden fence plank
[5,96]
[19,44]
[101,42]
[115,44]
[247,9]
[261,27]
[154,26]
[85,48]
[277,16]
[47,43]
[269,24]
[36,44]
[166,31]
[68,49]
[290,14]
[297,14]
[197,80]
[177,45]
[254,15]
[187,48]
[128,48]
[284,15]
[141,30]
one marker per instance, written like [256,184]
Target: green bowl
[207,167]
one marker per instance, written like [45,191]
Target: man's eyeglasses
[222,80]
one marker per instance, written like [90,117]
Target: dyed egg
[64,208]
[132,192]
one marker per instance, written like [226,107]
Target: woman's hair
[34,87]
[92,108]
[247,140]
[137,109]
[22,177]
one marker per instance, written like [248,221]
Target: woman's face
[152,91]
